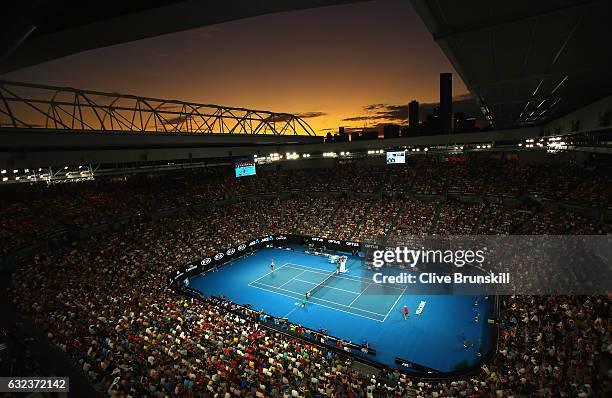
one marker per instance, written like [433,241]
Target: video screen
[244,168]
[396,157]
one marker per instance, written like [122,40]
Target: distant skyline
[355,65]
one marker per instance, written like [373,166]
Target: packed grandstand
[93,260]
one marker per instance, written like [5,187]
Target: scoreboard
[244,168]
[396,157]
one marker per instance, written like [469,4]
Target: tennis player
[272,265]
[406,314]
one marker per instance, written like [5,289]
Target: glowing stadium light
[4,179]
[560,84]
[3,171]
[15,171]
[426,149]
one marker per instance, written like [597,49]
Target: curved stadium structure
[104,299]
[435,246]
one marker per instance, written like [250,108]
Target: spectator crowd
[105,302]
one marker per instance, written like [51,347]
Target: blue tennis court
[352,294]
[351,307]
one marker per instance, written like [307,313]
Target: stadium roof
[526,61]
[41,30]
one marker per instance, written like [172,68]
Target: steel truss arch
[26,105]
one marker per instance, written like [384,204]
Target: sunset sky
[354,65]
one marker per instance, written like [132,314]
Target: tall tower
[413,115]
[446,102]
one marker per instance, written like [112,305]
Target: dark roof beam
[494,22]
[533,100]
[522,78]
[568,37]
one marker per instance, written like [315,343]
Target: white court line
[277,269]
[292,279]
[348,277]
[320,305]
[320,271]
[326,286]
[291,312]
[317,298]
[394,304]
[351,303]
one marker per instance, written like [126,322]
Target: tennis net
[321,284]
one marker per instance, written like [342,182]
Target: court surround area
[350,306]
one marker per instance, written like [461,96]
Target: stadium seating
[104,301]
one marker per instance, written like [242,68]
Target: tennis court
[342,292]
[350,306]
